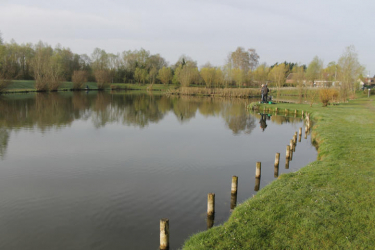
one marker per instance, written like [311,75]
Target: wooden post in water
[295,111]
[299,134]
[233,201]
[287,163]
[295,142]
[211,204]
[291,149]
[276,169]
[288,152]
[308,121]
[234,184]
[257,184]
[305,132]
[210,221]
[258,170]
[164,234]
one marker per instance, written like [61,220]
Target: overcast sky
[205,30]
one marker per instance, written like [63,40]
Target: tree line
[50,66]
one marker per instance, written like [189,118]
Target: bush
[79,78]
[103,78]
[328,95]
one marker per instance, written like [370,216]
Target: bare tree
[187,73]
[314,70]
[165,75]
[208,74]
[277,74]
[103,78]
[39,64]
[152,75]
[349,70]
[79,78]
[299,79]
[260,74]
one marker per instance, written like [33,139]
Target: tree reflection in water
[46,111]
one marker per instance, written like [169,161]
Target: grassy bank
[285,94]
[220,92]
[325,205]
[29,86]
[17,86]
[131,86]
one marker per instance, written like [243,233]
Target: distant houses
[290,80]
[368,81]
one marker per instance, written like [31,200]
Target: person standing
[266,90]
[262,90]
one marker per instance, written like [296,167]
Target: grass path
[329,204]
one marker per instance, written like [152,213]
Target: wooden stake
[287,151]
[258,170]
[234,184]
[164,234]
[286,163]
[276,169]
[291,149]
[211,204]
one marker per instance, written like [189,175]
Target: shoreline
[326,204]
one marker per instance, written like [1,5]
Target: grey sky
[205,30]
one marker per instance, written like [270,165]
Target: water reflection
[263,122]
[85,162]
[257,184]
[210,221]
[55,110]
[4,138]
[233,201]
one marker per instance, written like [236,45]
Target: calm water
[99,170]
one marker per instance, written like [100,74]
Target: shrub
[79,78]
[103,78]
[328,95]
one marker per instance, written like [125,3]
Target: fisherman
[266,90]
[262,91]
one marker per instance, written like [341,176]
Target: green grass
[29,86]
[131,86]
[328,204]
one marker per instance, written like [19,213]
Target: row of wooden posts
[164,223]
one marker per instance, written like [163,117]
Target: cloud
[206,30]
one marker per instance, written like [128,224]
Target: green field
[328,204]
[29,85]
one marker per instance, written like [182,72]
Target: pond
[99,170]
